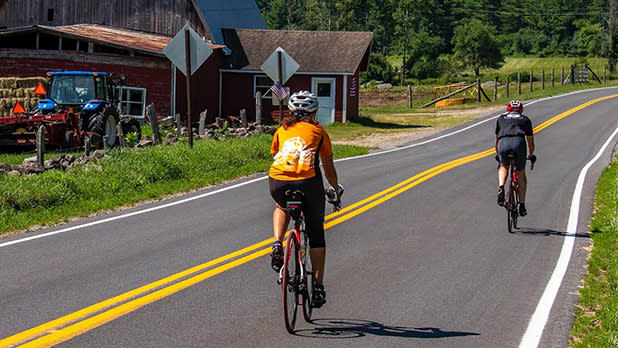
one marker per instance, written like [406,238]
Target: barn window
[50,14]
[262,83]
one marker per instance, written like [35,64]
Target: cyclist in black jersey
[513,131]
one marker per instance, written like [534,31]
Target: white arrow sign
[288,66]
[199,50]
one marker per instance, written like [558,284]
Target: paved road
[421,258]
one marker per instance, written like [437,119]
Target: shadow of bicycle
[531,231]
[336,328]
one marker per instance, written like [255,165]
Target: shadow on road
[368,122]
[547,232]
[337,328]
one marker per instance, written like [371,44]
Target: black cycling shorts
[516,146]
[312,203]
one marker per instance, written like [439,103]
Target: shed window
[262,83]
[50,14]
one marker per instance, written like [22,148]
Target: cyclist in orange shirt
[297,147]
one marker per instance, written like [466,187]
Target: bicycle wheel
[511,219]
[307,294]
[289,285]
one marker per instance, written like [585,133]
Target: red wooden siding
[204,90]
[155,80]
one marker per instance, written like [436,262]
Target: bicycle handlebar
[334,197]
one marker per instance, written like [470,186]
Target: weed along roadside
[124,177]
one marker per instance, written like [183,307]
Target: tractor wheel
[131,125]
[104,125]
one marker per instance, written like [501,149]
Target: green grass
[129,176]
[596,317]
[525,64]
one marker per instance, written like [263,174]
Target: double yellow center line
[76,323]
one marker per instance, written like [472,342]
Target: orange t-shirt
[295,151]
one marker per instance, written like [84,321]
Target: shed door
[324,88]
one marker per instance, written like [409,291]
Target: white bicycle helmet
[303,101]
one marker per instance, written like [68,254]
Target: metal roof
[241,14]
[107,35]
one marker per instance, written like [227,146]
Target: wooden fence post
[258,107]
[572,73]
[508,82]
[478,89]
[543,79]
[495,88]
[40,146]
[562,76]
[202,121]
[604,74]
[552,77]
[410,96]
[531,78]
[151,113]
[178,125]
[243,117]
[518,83]
[122,140]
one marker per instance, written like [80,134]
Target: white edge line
[94,223]
[533,333]
[22,240]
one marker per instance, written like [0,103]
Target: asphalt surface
[430,265]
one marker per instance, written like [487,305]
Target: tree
[476,46]
[611,20]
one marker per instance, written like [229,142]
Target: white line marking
[18,241]
[2,245]
[533,333]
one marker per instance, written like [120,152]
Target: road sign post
[280,67]
[187,51]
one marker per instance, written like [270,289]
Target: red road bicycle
[512,197]
[296,276]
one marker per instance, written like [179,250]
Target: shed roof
[314,51]
[127,38]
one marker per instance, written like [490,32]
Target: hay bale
[8,82]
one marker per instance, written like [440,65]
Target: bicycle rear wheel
[511,218]
[291,278]
[308,295]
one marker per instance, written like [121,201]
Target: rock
[29,160]
[14,173]
[143,143]
[384,86]
[5,167]
[98,154]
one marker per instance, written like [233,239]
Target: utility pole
[611,19]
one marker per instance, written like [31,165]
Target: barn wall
[150,73]
[204,90]
[156,16]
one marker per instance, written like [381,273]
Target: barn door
[324,88]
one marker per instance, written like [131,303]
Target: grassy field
[596,319]
[127,176]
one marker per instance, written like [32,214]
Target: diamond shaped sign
[199,50]
[288,66]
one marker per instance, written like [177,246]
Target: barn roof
[126,38]
[314,51]
[218,14]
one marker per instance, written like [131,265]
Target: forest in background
[441,37]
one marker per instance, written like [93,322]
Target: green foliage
[379,70]
[476,46]
[596,316]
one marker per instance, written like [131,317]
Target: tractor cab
[75,89]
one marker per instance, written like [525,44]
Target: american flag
[279,91]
